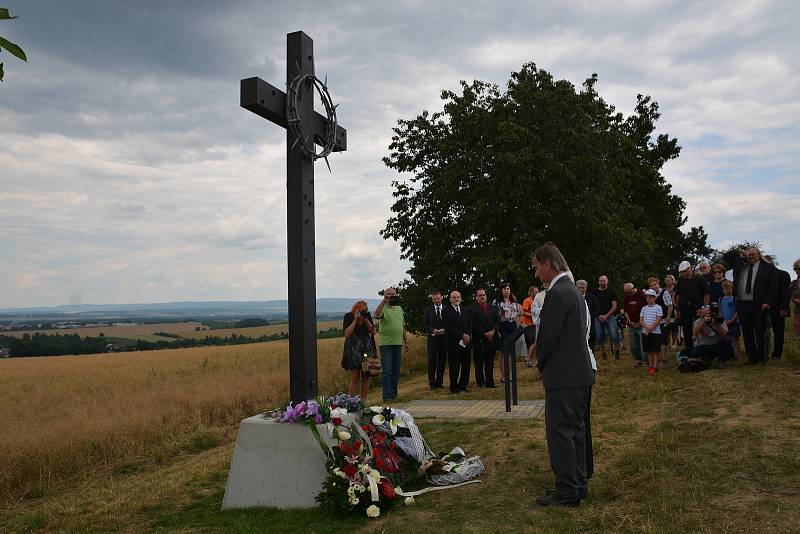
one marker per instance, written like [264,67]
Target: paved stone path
[492,409]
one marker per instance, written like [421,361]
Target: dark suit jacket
[483,323]
[431,322]
[561,350]
[765,284]
[457,326]
[784,292]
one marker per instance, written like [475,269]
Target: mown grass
[708,452]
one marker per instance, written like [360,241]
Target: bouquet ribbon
[373,489]
[435,488]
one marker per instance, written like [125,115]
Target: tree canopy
[7,45]
[495,174]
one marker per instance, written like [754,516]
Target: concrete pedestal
[277,464]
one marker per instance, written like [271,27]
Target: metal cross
[269,102]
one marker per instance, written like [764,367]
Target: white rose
[375,474]
[344,436]
[373,511]
[409,500]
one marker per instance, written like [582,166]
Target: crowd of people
[714,314]
[706,310]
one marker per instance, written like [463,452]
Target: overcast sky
[129,172]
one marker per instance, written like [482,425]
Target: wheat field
[73,418]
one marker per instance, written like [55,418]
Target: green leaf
[14,49]
[5,15]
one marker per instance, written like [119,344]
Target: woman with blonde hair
[359,343]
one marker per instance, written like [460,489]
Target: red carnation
[386,488]
[379,464]
[350,470]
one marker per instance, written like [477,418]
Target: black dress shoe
[557,500]
[491,386]
[582,493]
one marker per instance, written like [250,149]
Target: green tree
[7,45]
[495,173]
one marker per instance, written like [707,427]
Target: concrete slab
[276,464]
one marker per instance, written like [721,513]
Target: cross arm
[266,100]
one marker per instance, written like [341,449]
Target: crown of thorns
[305,140]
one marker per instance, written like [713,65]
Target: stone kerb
[277,464]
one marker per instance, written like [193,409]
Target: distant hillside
[233,308]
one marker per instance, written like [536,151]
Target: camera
[716,315]
[394,300]
[364,314]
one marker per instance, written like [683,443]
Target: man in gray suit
[565,366]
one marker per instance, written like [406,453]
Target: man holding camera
[711,336]
[394,341]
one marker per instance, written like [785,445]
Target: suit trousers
[754,328]
[458,360]
[778,328]
[483,356]
[688,315]
[437,359]
[565,424]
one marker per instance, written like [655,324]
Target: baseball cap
[684,265]
[650,293]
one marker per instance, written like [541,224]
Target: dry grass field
[142,442]
[76,417]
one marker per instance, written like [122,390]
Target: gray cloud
[129,172]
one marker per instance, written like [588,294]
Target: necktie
[458,310]
[438,312]
[748,288]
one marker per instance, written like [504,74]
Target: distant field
[187,330]
[255,331]
[139,331]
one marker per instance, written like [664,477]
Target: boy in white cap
[650,317]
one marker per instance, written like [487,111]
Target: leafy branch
[7,45]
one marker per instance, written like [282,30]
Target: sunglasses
[797,268]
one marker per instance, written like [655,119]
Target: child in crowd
[727,306]
[650,317]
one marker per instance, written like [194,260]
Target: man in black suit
[780,309]
[756,290]
[458,326]
[433,322]
[564,362]
[484,339]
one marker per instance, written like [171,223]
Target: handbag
[371,366]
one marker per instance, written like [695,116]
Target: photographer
[358,344]
[394,340]
[711,337]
